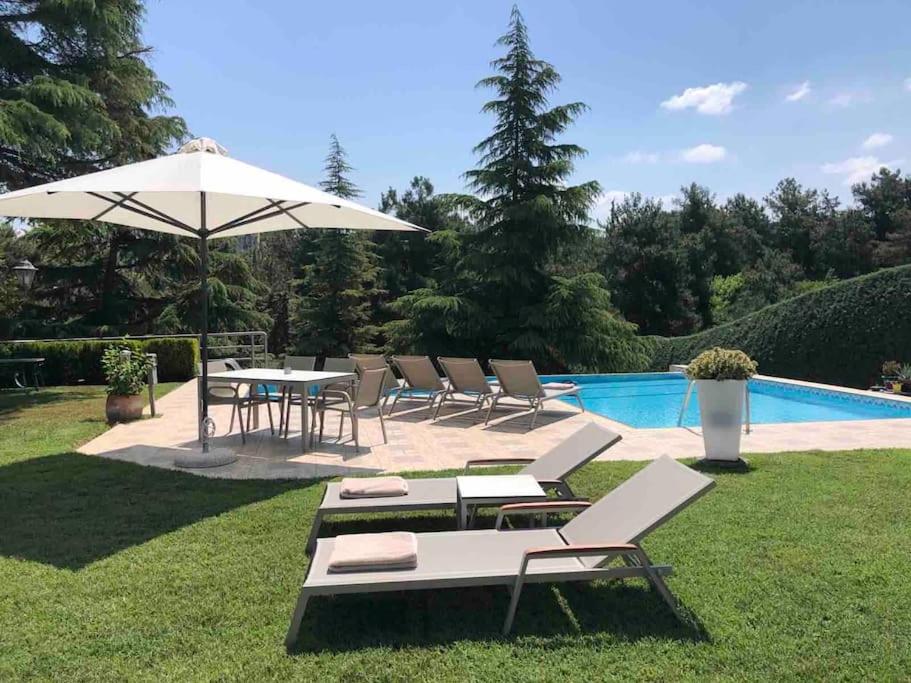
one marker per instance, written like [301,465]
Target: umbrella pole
[204,332]
[222,456]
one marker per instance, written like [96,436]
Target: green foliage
[503,285]
[177,358]
[331,314]
[125,372]
[904,373]
[76,90]
[721,364]
[77,362]
[837,334]
[891,368]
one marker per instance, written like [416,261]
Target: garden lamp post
[25,274]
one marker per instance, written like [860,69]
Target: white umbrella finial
[203,145]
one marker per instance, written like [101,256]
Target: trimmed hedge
[839,334]
[78,362]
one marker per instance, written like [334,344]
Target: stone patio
[417,443]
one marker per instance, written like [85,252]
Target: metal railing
[250,347]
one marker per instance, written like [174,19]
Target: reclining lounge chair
[550,469]
[584,549]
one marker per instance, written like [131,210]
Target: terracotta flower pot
[123,408]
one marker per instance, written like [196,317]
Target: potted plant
[903,379]
[126,373]
[721,376]
[890,371]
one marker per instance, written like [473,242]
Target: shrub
[75,362]
[891,368]
[720,364]
[177,357]
[125,371]
[837,334]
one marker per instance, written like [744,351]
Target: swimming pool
[650,400]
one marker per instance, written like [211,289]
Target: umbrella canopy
[198,192]
[170,193]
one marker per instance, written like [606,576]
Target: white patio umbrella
[198,192]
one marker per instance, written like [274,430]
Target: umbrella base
[197,460]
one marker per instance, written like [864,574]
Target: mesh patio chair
[369,394]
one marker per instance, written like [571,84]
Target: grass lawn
[794,570]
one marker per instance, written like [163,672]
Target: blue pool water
[654,400]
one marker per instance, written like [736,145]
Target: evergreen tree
[331,315]
[524,217]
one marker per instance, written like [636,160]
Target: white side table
[478,491]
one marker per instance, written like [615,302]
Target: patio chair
[369,394]
[371,361]
[584,549]
[288,396]
[519,380]
[465,377]
[238,396]
[550,469]
[421,380]
[340,365]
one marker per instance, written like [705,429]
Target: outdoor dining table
[300,381]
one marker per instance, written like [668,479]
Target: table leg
[305,417]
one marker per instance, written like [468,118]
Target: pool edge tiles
[653,400]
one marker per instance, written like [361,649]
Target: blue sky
[732,95]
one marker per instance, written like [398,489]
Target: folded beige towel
[373,487]
[559,385]
[377,552]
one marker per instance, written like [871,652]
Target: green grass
[794,570]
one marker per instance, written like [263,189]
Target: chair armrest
[537,508]
[493,462]
[571,551]
[580,550]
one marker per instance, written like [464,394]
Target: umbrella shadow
[560,612]
[69,510]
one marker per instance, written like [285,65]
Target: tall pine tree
[332,311]
[512,296]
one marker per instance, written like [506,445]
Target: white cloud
[849,99]
[877,140]
[858,169]
[799,92]
[703,154]
[709,99]
[637,157]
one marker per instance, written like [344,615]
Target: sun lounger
[603,542]
[421,380]
[466,378]
[519,380]
[550,469]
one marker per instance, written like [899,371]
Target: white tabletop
[500,486]
[278,376]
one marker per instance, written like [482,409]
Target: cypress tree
[332,309]
[510,294]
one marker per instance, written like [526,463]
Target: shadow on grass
[69,510]
[561,612]
[14,400]
[709,467]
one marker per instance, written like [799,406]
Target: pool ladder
[689,393]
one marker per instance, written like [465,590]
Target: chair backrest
[465,375]
[370,388]
[419,372]
[339,365]
[637,506]
[573,452]
[371,361]
[517,378]
[303,363]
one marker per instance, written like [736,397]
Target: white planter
[721,415]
